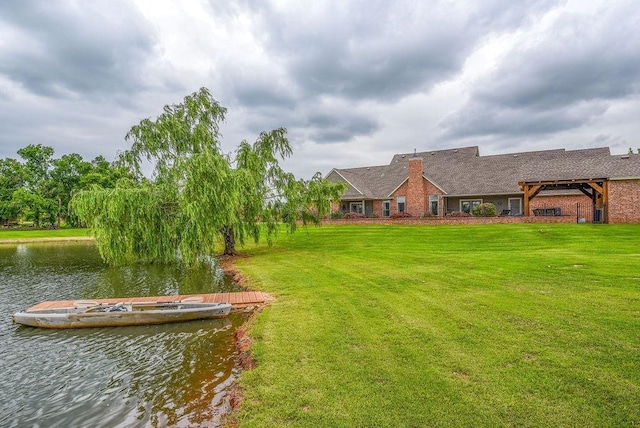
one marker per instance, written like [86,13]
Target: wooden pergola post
[530,191]
[525,189]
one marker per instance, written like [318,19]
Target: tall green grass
[482,326]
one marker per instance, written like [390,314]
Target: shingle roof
[463,171]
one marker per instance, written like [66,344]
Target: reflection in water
[173,374]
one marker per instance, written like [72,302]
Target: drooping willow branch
[199,196]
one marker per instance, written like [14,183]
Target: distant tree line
[37,187]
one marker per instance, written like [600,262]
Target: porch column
[525,188]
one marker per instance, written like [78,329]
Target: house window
[467,205]
[515,206]
[401,203]
[433,204]
[356,207]
[386,208]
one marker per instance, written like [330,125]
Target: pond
[165,375]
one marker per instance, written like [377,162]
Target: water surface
[165,375]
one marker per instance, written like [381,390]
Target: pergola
[594,188]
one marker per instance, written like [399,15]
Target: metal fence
[583,212]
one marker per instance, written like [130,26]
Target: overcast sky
[354,82]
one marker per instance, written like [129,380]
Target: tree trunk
[229,241]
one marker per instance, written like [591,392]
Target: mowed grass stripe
[500,325]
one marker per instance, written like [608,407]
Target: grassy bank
[503,325]
[14,235]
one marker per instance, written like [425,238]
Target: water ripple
[167,375]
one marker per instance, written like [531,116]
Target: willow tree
[198,195]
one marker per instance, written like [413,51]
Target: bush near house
[485,210]
[336,215]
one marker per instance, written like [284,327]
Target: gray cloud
[360,51]
[61,49]
[77,75]
[384,50]
[484,119]
[560,81]
[327,128]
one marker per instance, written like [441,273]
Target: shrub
[400,215]
[485,210]
[337,215]
[374,215]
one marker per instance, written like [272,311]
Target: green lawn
[473,326]
[12,234]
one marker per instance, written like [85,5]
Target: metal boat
[87,313]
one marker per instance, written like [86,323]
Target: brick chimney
[416,192]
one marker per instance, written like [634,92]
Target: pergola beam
[592,188]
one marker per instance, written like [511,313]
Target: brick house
[589,184]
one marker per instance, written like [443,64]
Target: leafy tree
[32,206]
[197,193]
[46,184]
[65,178]
[12,178]
[35,199]
[104,174]
[38,160]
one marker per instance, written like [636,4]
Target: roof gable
[463,171]
[336,177]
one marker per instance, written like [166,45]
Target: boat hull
[134,315]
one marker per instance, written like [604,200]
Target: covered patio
[596,189]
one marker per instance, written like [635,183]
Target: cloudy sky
[353,81]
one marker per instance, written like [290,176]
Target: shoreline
[45,239]
[243,342]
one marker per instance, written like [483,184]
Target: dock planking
[238,300]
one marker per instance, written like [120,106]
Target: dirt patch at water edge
[226,263]
[243,342]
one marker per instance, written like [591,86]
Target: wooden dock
[239,300]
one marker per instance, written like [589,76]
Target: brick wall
[455,220]
[416,190]
[400,191]
[624,201]
[377,207]
[416,195]
[568,205]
